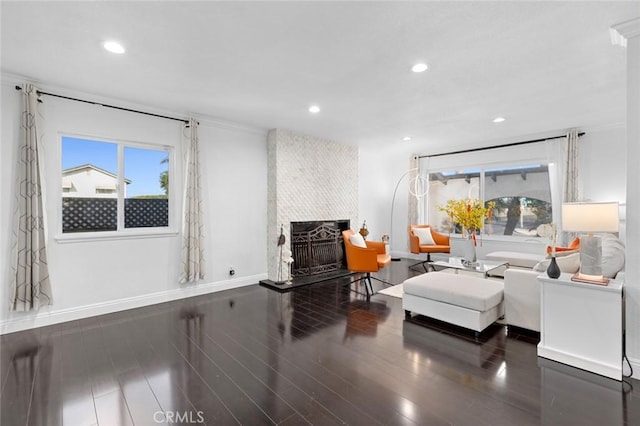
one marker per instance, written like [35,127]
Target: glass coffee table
[484,267]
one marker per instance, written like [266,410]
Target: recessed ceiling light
[113,47]
[314,109]
[499,119]
[421,67]
[406,138]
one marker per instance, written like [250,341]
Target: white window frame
[121,232]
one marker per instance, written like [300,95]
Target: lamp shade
[590,217]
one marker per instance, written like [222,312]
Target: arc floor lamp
[417,188]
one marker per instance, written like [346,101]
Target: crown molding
[206,120]
[623,31]
[621,125]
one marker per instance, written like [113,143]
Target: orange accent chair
[365,260]
[441,245]
[573,245]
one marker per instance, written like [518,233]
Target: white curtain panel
[30,287]
[192,231]
[572,177]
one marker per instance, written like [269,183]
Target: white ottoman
[463,300]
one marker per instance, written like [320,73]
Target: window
[450,185]
[522,196]
[114,186]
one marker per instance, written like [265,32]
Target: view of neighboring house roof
[91,166]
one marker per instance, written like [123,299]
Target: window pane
[523,199]
[146,173]
[450,185]
[89,185]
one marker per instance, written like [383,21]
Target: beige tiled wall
[308,179]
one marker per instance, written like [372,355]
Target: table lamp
[590,218]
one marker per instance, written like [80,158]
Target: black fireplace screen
[317,247]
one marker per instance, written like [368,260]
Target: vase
[469,250]
[364,231]
[289,279]
[553,270]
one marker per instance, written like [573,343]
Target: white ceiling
[546,66]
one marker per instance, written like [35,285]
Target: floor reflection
[570,395]
[486,354]
[295,316]
[363,318]
[192,325]
[297,319]
[30,364]
[318,355]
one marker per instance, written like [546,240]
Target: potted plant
[469,214]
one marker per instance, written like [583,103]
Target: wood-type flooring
[322,354]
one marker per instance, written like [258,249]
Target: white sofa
[522,298]
[521,288]
[521,293]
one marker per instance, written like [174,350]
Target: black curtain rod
[109,106]
[495,146]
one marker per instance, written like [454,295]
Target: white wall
[235,200]
[380,171]
[603,166]
[98,276]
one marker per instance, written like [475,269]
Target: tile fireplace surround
[309,179]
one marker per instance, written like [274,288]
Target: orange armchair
[441,243]
[365,259]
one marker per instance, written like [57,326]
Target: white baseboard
[25,321]
[406,255]
[418,257]
[589,364]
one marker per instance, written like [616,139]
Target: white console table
[581,324]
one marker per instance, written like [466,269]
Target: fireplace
[317,247]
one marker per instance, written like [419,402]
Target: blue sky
[141,166]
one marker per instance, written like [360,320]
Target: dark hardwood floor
[321,355]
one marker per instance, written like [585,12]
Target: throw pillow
[573,246]
[563,253]
[424,236]
[569,264]
[612,255]
[357,240]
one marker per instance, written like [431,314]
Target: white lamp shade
[590,217]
